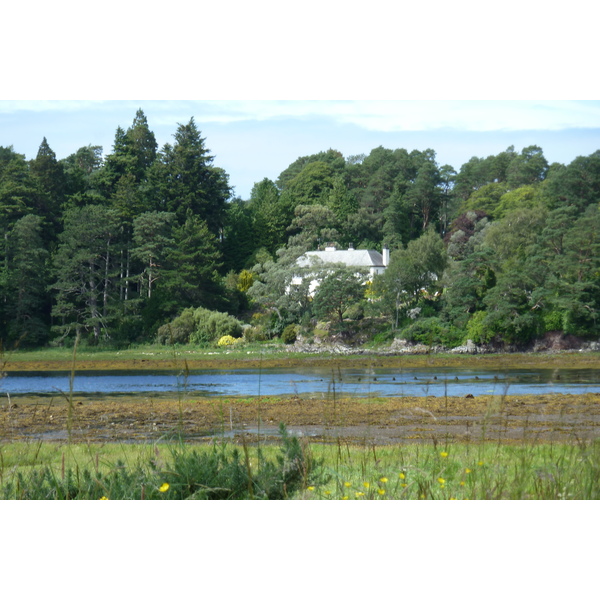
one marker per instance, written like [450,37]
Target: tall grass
[174,472]
[295,470]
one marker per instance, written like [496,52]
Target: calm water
[251,382]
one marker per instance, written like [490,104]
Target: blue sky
[253,139]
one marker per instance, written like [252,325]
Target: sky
[254,139]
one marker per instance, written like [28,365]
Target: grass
[271,355]
[170,471]
[326,472]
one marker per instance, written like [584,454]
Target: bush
[476,329]
[289,334]
[255,334]
[228,340]
[179,330]
[432,331]
[199,326]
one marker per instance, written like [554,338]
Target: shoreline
[194,359]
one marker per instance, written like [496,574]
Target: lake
[350,382]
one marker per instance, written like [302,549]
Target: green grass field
[325,472]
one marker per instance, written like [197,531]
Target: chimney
[386,256]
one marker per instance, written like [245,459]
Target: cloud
[407,115]
[369,115]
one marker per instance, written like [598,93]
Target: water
[349,382]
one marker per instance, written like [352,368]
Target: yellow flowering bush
[228,340]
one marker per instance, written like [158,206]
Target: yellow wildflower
[366,484]
[480,463]
[462,483]
[384,480]
[467,470]
[345,498]
[347,484]
[444,454]
[381,492]
[164,487]
[404,485]
[327,493]
[402,476]
[358,494]
[311,488]
[441,480]
[104,498]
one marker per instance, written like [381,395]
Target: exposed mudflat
[131,418]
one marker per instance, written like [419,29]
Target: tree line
[113,248]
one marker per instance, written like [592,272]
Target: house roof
[351,258]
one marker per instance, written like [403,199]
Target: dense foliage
[122,247]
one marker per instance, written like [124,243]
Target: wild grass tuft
[218,472]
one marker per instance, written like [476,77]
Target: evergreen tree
[185,179]
[86,273]
[26,307]
[49,175]
[192,278]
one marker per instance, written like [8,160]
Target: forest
[151,245]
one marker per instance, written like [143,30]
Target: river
[382,382]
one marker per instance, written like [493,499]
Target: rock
[469,348]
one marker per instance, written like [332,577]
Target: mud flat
[141,418]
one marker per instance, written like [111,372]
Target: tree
[527,168]
[577,184]
[312,185]
[312,225]
[466,283]
[81,170]
[184,179]
[49,175]
[86,272]
[340,200]
[152,241]
[27,306]
[124,176]
[18,192]
[424,196]
[239,237]
[340,289]
[413,273]
[333,158]
[191,277]
[275,287]
[270,215]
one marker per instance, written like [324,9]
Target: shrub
[178,331]
[212,325]
[476,329]
[289,334]
[553,321]
[432,331]
[255,334]
[199,326]
[228,340]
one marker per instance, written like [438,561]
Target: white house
[368,260]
